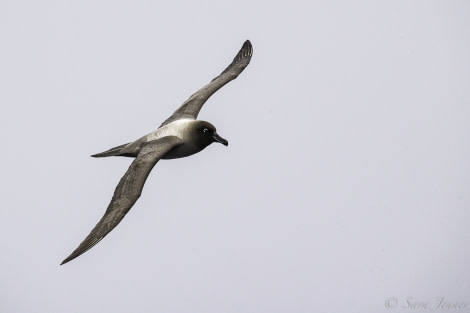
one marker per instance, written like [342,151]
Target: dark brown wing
[192,106]
[127,192]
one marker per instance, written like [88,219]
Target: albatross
[179,136]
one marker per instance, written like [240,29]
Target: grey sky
[346,181]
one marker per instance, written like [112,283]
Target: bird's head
[204,133]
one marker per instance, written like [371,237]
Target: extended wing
[127,192]
[192,106]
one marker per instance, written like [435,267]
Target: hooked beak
[220,139]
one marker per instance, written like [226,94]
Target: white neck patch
[177,128]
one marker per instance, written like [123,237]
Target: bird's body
[183,129]
[179,136]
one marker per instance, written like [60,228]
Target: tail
[116,151]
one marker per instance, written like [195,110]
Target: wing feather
[127,192]
[191,107]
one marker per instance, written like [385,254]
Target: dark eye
[205,130]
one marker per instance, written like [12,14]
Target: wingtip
[248,46]
[244,55]
[66,260]
[247,49]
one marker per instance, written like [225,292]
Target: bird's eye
[205,130]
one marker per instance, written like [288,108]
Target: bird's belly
[182,151]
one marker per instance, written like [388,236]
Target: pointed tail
[116,151]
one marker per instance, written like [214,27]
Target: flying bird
[179,136]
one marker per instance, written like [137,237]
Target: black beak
[220,139]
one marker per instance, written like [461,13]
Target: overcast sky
[345,186]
